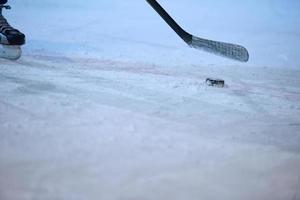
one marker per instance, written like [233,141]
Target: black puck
[215,82]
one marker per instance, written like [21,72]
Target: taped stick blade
[228,50]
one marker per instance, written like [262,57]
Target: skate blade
[10,52]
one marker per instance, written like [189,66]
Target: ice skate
[11,39]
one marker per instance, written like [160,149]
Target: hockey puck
[215,82]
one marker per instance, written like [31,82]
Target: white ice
[108,103]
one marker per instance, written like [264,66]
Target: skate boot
[11,39]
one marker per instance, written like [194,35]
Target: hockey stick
[228,50]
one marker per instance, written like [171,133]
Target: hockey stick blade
[227,50]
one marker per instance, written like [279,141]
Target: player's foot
[10,38]
[9,35]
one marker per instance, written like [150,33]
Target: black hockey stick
[228,50]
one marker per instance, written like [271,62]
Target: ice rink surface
[108,103]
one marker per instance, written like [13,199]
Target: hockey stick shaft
[170,21]
[228,50]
